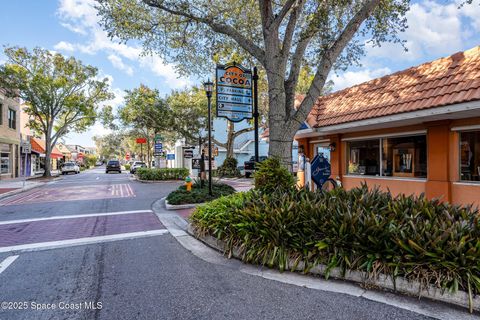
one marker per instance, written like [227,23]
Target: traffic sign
[158,147]
[234,92]
[171,156]
[141,140]
[26,147]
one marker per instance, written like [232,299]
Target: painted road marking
[87,215]
[7,262]
[74,193]
[82,241]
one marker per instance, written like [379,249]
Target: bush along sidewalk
[198,194]
[162,174]
[425,241]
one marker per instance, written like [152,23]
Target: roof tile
[449,80]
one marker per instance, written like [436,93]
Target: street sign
[158,136]
[158,146]
[234,92]
[141,140]
[321,170]
[26,147]
[188,153]
[160,154]
[171,156]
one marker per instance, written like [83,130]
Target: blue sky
[436,29]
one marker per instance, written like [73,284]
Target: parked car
[249,166]
[136,165]
[99,163]
[70,167]
[113,165]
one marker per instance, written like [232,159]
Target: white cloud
[117,62]
[64,46]
[434,28]
[351,78]
[81,17]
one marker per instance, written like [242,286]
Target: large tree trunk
[48,165]
[281,128]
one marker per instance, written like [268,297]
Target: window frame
[459,149]
[10,120]
[380,139]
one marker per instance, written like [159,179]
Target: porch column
[438,159]
[336,156]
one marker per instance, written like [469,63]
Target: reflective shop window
[405,156]
[4,158]
[364,157]
[470,156]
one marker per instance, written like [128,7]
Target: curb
[402,285]
[181,206]
[154,181]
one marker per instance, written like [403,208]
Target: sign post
[141,141]
[26,148]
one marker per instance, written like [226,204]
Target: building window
[389,157]
[470,156]
[364,157]
[12,119]
[1,113]
[5,158]
[405,157]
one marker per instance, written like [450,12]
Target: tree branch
[225,29]
[240,132]
[331,56]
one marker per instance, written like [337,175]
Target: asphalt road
[141,278]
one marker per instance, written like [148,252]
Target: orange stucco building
[415,131]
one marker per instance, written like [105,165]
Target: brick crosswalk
[71,193]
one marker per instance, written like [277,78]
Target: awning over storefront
[38,146]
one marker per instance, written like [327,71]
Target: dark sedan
[113,165]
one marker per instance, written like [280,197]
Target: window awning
[38,146]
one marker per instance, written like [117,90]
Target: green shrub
[162,174]
[127,167]
[360,229]
[229,168]
[199,194]
[271,175]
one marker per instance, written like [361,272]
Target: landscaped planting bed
[199,194]
[162,174]
[361,230]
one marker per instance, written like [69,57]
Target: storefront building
[9,137]
[38,157]
[415,131]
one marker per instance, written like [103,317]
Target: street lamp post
[208,86]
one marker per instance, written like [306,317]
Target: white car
[70,167]
[136,165]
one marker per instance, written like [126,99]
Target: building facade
[9,137]
[413,132]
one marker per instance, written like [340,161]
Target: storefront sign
[196,163]
[321,170]
[234,92]
[188,153]
[171,156]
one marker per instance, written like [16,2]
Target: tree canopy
[61,94]
[281,36]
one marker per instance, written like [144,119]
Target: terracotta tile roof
[445,81]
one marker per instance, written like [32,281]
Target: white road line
[82,241]
[97,214]
[7,262]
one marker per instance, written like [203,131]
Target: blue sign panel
[321,170]
[234,92]
[171,156]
